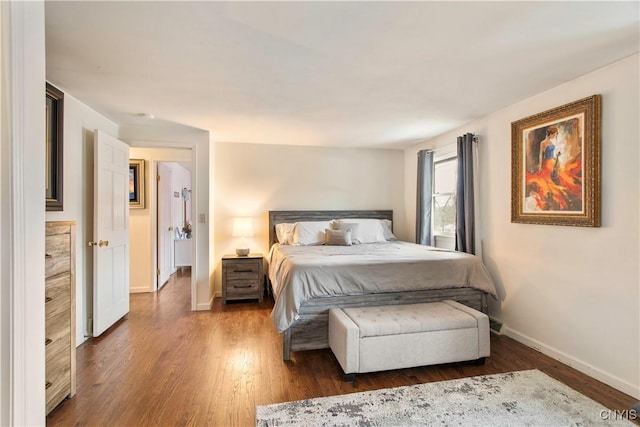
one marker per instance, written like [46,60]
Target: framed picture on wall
[136,183]
[54,111]
[555,166]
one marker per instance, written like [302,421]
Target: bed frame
[311,330]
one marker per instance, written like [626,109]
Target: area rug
[524,398]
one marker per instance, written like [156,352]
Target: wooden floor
[165,365]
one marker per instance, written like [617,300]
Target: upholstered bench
[368,339]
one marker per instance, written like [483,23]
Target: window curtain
[465,194]
[424,199]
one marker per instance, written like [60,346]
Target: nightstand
[242,277]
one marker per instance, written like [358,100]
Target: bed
[309,280]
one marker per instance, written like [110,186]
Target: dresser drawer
[57,378]
[57,295]
[57,334]
[57,258]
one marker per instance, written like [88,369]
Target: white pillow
[369,230]
[386,227]
[284,233]
[307,233]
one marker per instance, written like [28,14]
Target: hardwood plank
[166,365]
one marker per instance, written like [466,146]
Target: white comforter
[299,273]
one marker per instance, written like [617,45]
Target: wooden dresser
[60,319]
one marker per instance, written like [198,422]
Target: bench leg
[286,345]
[480,361]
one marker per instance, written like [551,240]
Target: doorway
[174,220]
[153,229]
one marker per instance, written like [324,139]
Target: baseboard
[139,290]
[613,381]
[203,306]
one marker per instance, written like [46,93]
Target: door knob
[102,243]
[91,243]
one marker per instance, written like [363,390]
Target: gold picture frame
[136,183]
[54,112]
[555,166]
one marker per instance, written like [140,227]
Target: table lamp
[242,227]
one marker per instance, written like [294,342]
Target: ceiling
[351,74]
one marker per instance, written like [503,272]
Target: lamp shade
[242,227]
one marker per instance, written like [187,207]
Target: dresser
[60,319]
[182,252]
[242,277]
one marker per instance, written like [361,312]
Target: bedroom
[594,291]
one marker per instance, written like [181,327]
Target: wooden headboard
[277,217]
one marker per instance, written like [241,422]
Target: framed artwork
[136,183]
[53,148]
[555,166]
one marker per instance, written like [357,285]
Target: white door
[165,229]
[110,232]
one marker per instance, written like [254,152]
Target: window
[444,202]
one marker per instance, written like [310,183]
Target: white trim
[448,153]
[204,306]
[140,290]
[16,215]
[613,381]
[24,227]
[5,231]
[193,147]
[445,152]
[6,384]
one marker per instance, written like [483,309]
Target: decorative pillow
[353,227]
[337,237]
[307,233]
[369,230]
[284,233]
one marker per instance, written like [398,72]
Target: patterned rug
[524,398]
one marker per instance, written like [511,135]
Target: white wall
[142,222]
[572,292]
[198,141]
[252,179]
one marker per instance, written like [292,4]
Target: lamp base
[242,252]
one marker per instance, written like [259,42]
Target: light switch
[202,218]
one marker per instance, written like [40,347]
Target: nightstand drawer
[241,290]
[240,283]
[249,268]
